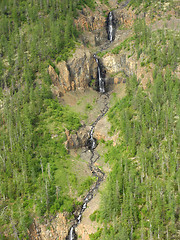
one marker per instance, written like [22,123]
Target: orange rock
[116,80]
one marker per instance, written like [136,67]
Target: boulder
[83,135]
[72,140]
[57,89]
[53,228]
[54,76]
[117,80]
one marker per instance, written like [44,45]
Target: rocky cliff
[55,228]
[74,74]
[81,68]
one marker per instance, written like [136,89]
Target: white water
[93,142]
[110,26]
[96,172]
[71,234]
[101,81]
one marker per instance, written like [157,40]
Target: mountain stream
[91,144]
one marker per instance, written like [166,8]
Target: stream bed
[96,172]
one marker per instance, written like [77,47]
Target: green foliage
[89,106]
[104,2]
[101,54]
[96,236]
[34,32]
[61,115]
[86,184]
[140,198]
[32,136]
[36,172]
[93,216]
[92,83]
[160,46]
[119,1]
[124,45]
[145,3]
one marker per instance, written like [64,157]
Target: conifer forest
[89,112]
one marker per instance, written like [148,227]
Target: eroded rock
[64,76]
[56,228]
[78,139]
[82,68]
[118,63]
[75,74]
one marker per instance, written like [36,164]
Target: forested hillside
[141,197]
[35,173]
[39,175]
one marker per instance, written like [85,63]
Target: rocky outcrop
[64,76]
[123,66]
[101,131]
[118,63]
[90,20]
[82,67]
[74,74]
[56,88]
[93,23]
[56,228]
[62,80]
[78,139]
[79,70]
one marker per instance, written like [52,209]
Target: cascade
[95,172]
[92,141]
[101,80]
[72,234]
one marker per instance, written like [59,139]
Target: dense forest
[34,170]
[140,199]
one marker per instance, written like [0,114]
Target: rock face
[75,74]
[57,87]
[82,67]
[118,63]
[92,23]
[78,139]
[64,76]
[57,228]
[102,129]
[79,70]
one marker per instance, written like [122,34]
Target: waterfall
[72,234]
[110,26]
[101,80]
[92,140]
